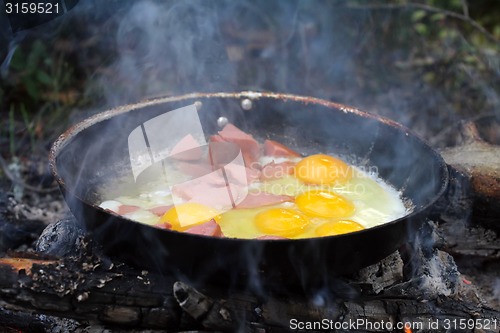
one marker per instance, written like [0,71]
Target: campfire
[89,268]
[71,280]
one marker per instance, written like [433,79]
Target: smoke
[174,47]
[166,47]
[326,49]
[5,64]
[353,54]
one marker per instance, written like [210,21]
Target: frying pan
[93,152]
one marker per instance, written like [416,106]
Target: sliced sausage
[160,210]
[164,225]
[250,148]
[187,149]
[277,170]
[253,200]
[194,168]
[210,228]
[204,193]
[127,209]
[233,174]
[274,148]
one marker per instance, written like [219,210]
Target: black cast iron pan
[90,154]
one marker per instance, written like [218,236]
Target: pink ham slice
[187,149]
[127,209]
[254,200]
[216,138]
[250,148]
[210,190]
[205,194]
[164,225]
[195,168]
[252,175]
[233,174]
[160,210]
[251,160]
[277,170]
[210,228]
[273,148]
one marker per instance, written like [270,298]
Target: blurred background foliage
[401,59]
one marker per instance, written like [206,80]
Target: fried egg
[329,197]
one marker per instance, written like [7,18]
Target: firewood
[89,291]
[477,157]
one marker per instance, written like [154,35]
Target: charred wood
[106,295]
[61,239]
[276,314]
[88,291]
[17,225]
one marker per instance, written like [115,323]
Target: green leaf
[31,63]
[38,49]
[447,34]
[44,78]
[418,15]
[437,17]
[32,88]
[36,56]
[18,61]
[421,28]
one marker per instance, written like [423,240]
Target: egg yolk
[189,214]
[324,204]
[323,169]
[283,222]
[338,228]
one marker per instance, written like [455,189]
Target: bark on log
[87,292]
